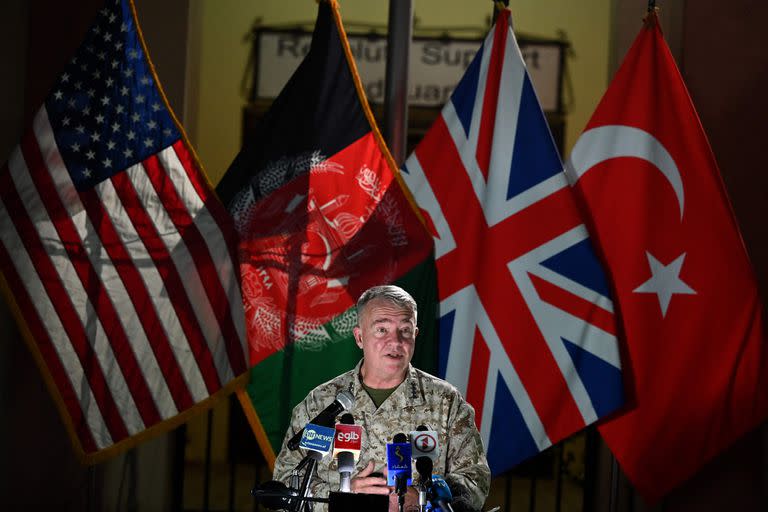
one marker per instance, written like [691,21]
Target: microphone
[425,450]
[346,446]
[424,468]
[274,495]
[440,494]
[343,402]
[399,464]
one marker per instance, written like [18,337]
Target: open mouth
[395,356]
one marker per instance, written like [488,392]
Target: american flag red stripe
[47,349]
[118,258]
[92,284]
[219,214]
[202,319]
[220,234]
[136,292]
[197,364]
[163,180]
[63,303]
[94,333]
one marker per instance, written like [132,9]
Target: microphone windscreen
[346,462]
[424,467]
[346,399]
[440,489]
[347,419]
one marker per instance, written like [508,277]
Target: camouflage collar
[409,393]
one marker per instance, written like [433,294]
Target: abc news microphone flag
[321,217]
[116,256]
[687,294]
[527,325]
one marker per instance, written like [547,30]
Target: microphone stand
[311,499]
[402,489]
[423,490]
[310,461]
[423,496]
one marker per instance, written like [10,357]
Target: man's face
[387,334]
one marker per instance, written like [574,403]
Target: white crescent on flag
[613,141]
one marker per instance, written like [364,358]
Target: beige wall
[220,46]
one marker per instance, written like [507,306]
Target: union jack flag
[522,293]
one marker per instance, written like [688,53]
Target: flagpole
[496,7]
[396,85]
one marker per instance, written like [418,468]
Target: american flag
[527,328]
[118,257]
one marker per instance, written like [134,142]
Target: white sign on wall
[435,67]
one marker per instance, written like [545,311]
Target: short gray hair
[389,292]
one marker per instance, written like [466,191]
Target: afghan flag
[322,215]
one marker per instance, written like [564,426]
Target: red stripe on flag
[91,281]
[575,305]
[487,269]
[213,205]
[47,350]
[125,267]
[65,310]
[199,251]
[478,375]
[166,267]
[490,99]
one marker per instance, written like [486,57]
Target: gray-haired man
[390,397]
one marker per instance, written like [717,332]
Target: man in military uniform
[391,396]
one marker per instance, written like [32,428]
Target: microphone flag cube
[424,443]
[317,438]
[348,438]
[398,461]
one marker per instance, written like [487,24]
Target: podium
[348,502]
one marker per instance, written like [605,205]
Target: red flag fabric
[117,257]
[687,294]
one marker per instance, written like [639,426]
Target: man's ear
[358,334]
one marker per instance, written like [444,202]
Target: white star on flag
[665,281]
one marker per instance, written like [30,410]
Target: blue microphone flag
[398,461]
[317,438]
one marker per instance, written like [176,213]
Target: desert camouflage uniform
[421,399]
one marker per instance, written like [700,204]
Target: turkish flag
[695,355]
